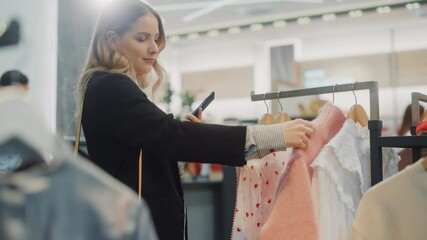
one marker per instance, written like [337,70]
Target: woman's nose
[154,48]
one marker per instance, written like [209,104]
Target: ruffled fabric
[341,176]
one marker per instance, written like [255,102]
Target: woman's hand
[192,118]
[297,132]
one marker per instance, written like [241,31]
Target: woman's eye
[141,39]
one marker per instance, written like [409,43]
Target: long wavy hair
[407,120]
[117,16]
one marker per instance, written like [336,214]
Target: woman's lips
[150,60]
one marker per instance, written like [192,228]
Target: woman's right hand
[297,132]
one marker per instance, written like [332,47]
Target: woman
[118,119]
[404,130]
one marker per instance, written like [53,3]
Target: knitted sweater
[293,214]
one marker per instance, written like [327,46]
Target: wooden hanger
[267,118]
[282,116]
[358,114]
[424,163]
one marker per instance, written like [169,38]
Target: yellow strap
[77,140]
[140,175]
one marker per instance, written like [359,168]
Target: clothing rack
[375,125]
[371,85]
[415,142]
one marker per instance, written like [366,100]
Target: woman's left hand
[193,118]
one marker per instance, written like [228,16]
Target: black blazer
[118,120]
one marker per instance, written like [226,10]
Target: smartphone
[205,103]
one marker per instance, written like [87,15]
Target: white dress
[341,176]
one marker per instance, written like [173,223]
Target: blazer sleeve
[136,121]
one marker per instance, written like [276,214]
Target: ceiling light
[411,6]
[234,30]
[256,27]
[192,36]
[329,17]
[382,10]
[303,20]
[213,33]
[280,23]
[175,38]
[355,13]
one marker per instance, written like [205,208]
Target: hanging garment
[390,161]
[293,216]
[49,199]
[70,200]
[395,208]
[256,189]
[339,180]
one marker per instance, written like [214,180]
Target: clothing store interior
[354,70]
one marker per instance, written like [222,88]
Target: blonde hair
[117,16]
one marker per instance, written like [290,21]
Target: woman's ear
[112,40]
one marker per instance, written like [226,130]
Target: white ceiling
[184,16]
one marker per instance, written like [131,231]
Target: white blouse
[341,176]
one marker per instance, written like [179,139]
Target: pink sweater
[293,215]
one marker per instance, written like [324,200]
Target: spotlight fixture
[303,20]
[256,27]
[279,23]
[213,33]
[355,13]
[329,17]
[382,10]
[234,30]
[411,6]
[192,36]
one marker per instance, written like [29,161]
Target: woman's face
[139,44]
